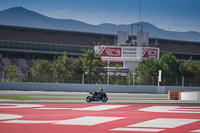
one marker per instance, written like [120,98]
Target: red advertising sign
[110,51]
[149,53]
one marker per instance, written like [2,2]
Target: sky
[171,15]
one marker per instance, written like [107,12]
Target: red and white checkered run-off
[98,118]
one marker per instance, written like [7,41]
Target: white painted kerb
[195,95]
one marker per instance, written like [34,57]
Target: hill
[19,16]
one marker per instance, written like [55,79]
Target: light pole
[159,77]
[133,78]
[83,78]
[3,75]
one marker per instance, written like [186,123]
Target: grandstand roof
[24,34]
[14,33]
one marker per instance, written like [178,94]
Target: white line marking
[170,109]
[92,108]
[101,107]
[137,129]
[87,121]
[13,105]
[164,123]
[53,108]
[9,116]
[196,131]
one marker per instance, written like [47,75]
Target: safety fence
[112,80]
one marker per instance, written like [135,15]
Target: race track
[84,94]
[98,118]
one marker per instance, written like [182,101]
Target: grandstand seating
[29,63]
[6,62]
[13,62]
[23,64]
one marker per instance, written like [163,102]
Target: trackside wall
[90,87]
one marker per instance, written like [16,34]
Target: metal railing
[114,80]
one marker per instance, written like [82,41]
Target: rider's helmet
[100,89]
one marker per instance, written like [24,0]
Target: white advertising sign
[127,52]
[130,52]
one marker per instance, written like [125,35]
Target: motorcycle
[97,97]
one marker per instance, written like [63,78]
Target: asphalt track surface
[119,97]
[84,94]
[98,118]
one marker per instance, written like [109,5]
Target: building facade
[23,46]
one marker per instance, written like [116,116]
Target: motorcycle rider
[98,93]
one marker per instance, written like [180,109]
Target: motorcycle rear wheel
[104,99]
[88,99]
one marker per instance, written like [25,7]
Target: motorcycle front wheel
[88,99]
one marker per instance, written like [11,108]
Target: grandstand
[22,46]
[23,64]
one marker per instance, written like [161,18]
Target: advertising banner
[127,52]
[109,51]
[150,52]
[130,52]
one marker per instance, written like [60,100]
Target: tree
[146,71]
[62,68]
[198,67]
[169,65]
[129,79]
[12,73]
[27,77]
[41,72]
[190,70]
[77,71]
[78,66]
[198,73]
[116,78]
[92,64]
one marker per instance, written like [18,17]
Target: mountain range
[19,16]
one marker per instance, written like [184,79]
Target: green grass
[135,99]
[22,97]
